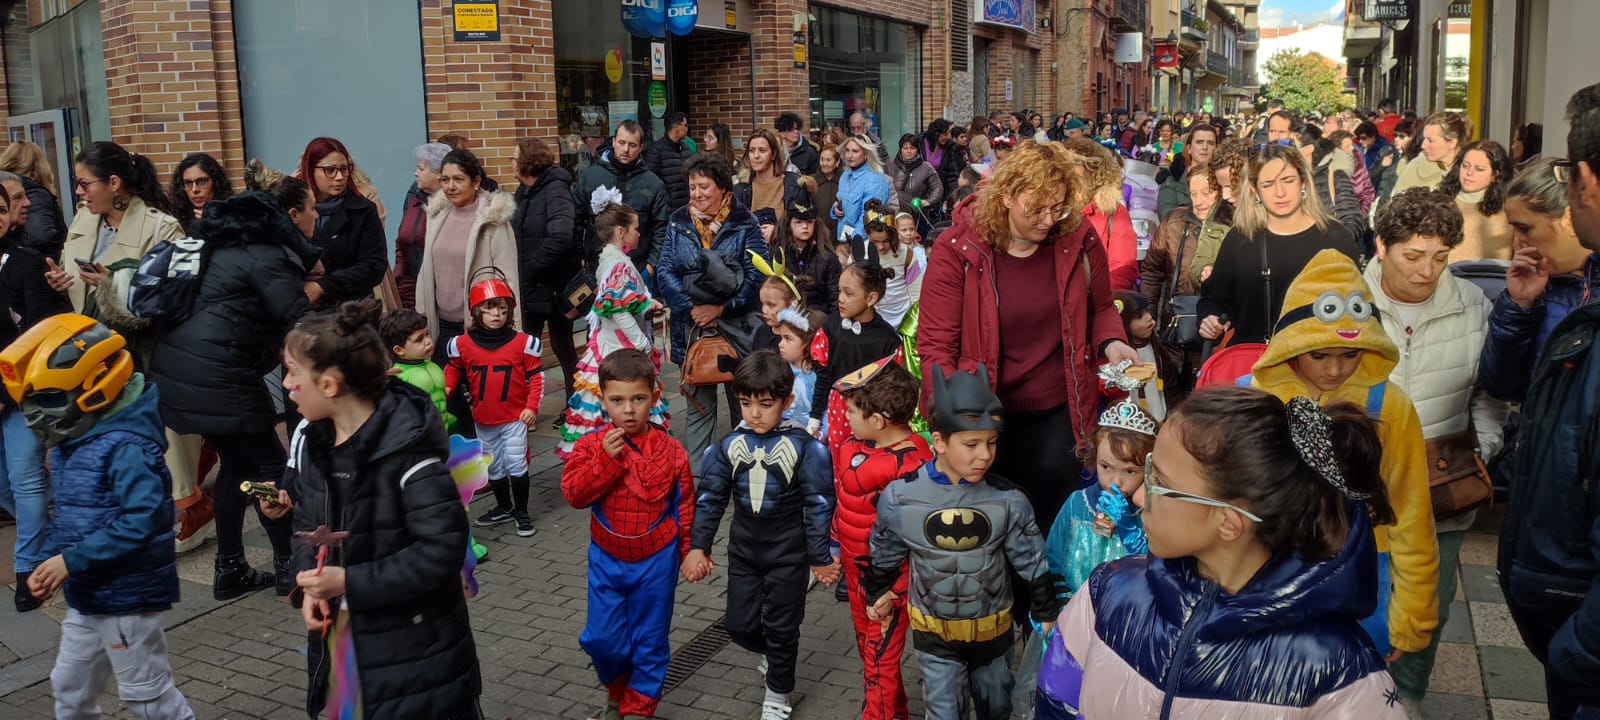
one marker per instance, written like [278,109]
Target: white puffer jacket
[1439,364]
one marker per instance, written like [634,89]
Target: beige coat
[1420,172]
[142,227]
[1483,237]
[492,244]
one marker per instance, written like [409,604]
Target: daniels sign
[1376,10]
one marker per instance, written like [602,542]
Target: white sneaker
[775,711]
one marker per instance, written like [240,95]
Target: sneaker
[196,525]
[775,710]
[840,593]
[493,517]
[561,421]
[524,524]
[234,578]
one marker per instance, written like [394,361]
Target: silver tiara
[1124,415]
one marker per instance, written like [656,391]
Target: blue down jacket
[1157,639]
[1517,336]
[680,267]
[114,512]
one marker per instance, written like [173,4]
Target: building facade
[259,78]
[1089,78]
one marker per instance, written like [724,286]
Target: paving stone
[1443,706]
[1458,628]
[1456,671]
[1492,625]
[1480,583]
[1480,549]
[1511,674]
[1502,709]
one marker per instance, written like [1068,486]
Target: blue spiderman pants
[630,615]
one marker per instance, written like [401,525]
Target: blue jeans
[22,489]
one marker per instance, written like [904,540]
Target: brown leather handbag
[1457,478]
[702,364]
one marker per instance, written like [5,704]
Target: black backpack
[164,287]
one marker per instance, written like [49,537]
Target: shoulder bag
[1182,329]
[1457,479]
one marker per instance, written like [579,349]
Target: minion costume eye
[1357,306]
[1329,307]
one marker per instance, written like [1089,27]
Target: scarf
[708,225]
[328,209]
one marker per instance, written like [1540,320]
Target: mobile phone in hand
[85,265]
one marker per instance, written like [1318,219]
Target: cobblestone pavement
[244,659]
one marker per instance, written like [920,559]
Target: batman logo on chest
[957,529]
[768,467]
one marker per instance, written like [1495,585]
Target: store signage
[1166,54]
[730,14]
[644,18]
[614,65]
[1015,14]
[1460,9]
[658,99]
[658,61]
[682,16]
[1376,10]
[800,50]
[477,20]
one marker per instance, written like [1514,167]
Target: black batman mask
[964,402]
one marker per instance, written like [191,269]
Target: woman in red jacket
[1020,257]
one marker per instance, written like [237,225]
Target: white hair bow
[603,197]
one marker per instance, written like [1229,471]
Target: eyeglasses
[82,184]
[1562,169]
[1156,490]
[335,171]
[197,183]
[1053,214]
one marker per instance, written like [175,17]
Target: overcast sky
[1279,13]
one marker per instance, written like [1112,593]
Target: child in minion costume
[1329,345]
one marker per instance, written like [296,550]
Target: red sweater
[960,321]
[503,381]
[633,492]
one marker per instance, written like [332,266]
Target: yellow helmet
[62,371]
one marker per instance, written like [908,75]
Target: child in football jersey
[505,377]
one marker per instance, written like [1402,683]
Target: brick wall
[720,84]
[172,79]
[493,93]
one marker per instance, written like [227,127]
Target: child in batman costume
[778,479]
[963,531]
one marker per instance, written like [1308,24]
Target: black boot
[283,572]
[519,505]
[24,597]
[502,505]
[235,577]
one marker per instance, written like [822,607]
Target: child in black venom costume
[780,483]
[963,531]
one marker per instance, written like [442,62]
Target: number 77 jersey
[504,377]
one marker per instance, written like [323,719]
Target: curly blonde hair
[28,160]
[1101,173]
[1041,172]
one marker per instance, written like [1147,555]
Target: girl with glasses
[1259,517]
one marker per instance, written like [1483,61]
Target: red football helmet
[485,290]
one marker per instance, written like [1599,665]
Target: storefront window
[866,64]
[602,78]
[58,65]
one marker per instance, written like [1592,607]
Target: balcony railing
[1194,25]
[1251,37]
[1218,64]
[1134,11]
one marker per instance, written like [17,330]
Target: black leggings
[1038,454]
[456,401]
[257,457]
[560,342]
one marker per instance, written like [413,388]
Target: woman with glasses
[1278,226]
[349,228]
[1551,275]
[1021,283]
[198,180]
[1260,523]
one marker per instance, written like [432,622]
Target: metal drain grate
[695,654]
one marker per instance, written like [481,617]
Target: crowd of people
[966,389]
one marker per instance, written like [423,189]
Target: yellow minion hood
[1328,306]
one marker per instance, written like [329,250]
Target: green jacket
[427,376]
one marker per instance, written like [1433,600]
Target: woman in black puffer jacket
[209,364]
[547,250]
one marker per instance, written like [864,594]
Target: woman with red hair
[349,230]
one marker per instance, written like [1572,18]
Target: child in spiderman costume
[636,481]
[880,400]
[780,484]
